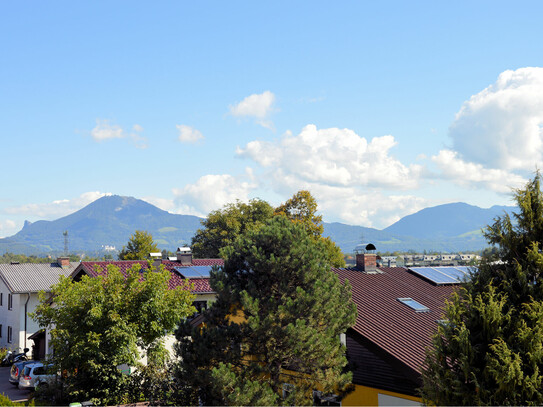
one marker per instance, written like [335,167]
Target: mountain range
[111,220]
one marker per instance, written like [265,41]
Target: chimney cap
[183,249]
[155,254]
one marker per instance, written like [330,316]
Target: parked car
[16,370]
[35,374]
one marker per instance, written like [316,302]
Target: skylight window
[411,303]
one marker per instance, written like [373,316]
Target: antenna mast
[65,234]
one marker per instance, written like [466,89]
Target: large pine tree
[278,317]
[490,349]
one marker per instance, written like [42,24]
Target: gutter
[26,309]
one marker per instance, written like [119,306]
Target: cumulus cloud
[8,227]
[56,209]
[104,130]
[162,203]
[212,192]
[188,134]
[354,205]
[501,126]
[473,175]
[335,157]
[258,106]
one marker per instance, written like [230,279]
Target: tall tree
[302,209]
[139,246]
[99,323]
[222,226]
[279,309]
[490,349]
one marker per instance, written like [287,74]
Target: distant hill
[444,228]
[445,221]
[111,220]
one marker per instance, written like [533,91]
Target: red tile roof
[201,285]
[385,321]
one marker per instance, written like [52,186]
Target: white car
[34,374]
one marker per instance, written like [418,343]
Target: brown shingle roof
[391,325]
[201,285]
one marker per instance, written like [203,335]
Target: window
[411,303]
[0,330]
[10,334]
[287,390]
[10,301]
[1,299]
[39,370]
[320,399]
[200,306]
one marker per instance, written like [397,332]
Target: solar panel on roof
[452,272]
[434,275]
[194,271]
[444,275]
[203,270]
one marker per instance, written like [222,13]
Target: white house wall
[9,318]
[31,325]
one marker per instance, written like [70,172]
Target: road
[9,389]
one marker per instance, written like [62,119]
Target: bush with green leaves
[101,322]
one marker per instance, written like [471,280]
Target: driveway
[9,389]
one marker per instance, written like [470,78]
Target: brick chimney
[63,262]
[184,256]
[367,260]
[157,259]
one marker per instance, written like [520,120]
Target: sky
[379,109]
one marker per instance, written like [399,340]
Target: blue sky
[379,109]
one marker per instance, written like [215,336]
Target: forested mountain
[111,220]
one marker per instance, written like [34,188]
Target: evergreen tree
[490,349]
[278,317]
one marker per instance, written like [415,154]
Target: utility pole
[65,234]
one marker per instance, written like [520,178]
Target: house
[19,287]
[183,268]
[398,311]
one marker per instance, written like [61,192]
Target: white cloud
[56,209]
[8,227]
[354,205]
[501,126]
[162,203]
[335,157]
[212,192]
[188,134]
[138,140]
[473,175]
[258,106]
[104,130]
